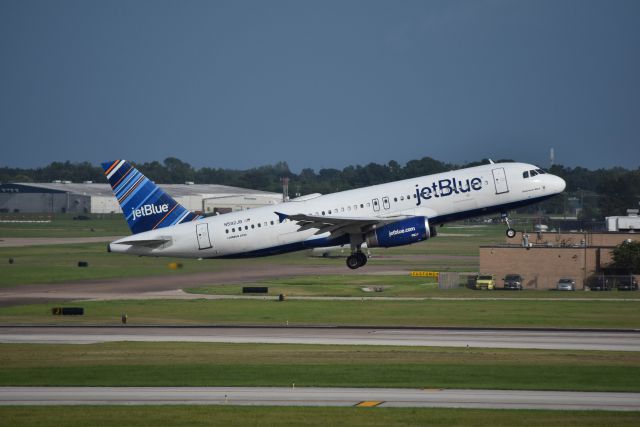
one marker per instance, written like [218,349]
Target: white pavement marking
[555,340]
[447,398]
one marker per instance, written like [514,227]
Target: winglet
[281,216]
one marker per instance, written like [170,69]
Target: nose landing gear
[511,233]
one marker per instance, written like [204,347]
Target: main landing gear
[511,233]
[356,260]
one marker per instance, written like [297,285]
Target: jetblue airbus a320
[386,215]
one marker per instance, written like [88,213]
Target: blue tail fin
[145,205]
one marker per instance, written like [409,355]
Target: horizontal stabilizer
[149,243]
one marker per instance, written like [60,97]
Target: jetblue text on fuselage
[446,187]
[147,210]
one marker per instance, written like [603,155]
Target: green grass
[391,286]
[242,416]
[486,313]
[63,225]
[335,285]
[58,263]
[214,364]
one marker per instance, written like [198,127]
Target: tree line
[598,193]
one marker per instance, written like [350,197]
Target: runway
[295,396]
[484,338]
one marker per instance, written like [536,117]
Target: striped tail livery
[145,205]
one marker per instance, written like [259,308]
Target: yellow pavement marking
[369,403]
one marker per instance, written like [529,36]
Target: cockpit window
[533,173]
[540,171]
[525,174]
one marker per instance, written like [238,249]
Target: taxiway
[296,396]
[440,337]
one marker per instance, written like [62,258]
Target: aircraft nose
[559,184]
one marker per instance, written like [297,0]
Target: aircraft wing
[339,225]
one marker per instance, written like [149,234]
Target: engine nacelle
[400,233]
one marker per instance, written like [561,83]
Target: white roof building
[89,197]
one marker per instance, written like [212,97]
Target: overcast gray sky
[323,83]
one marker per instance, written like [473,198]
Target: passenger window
[246,227]
[348,208]
[341,209]
[362,205]
[226,231]
[395,199]
[271,222]
[322,213]
[408,197]
[525,174]
[253,226]
[233,230]
[258,225]
[401,197]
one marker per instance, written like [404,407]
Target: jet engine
[400,233]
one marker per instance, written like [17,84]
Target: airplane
[385,215]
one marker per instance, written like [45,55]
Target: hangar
[89,197]
[544,258]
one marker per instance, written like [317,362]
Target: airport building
[92,198]
[542,259]
[630,223]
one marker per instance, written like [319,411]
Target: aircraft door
[500,181]
[202,231]
[376,205]
[385,202]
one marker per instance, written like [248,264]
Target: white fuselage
[440,197]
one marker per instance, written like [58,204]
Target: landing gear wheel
[353,262]
[511,233]
[356,260]
[362,258]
